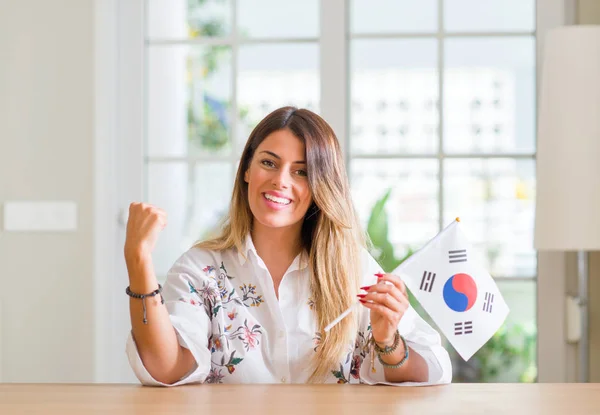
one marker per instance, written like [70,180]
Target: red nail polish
[362,301]
[379,275]
[361,295]
[365,288]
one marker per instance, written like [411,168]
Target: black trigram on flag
[457,256]
[489,300]
[427,281]
[461,328]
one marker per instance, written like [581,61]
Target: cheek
[255,178]
[305,194]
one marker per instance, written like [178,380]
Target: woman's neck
[277,247]
[270,243]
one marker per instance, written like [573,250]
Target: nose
[281,179]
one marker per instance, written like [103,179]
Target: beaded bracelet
[401,362]
[143,298]
[388,349]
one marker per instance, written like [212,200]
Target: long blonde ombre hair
[331,233]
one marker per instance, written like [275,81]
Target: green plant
[511,347]
[207,116]
[509,355]
[377,229]
[381,248]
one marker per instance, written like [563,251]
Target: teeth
[276,199]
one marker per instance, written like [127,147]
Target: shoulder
[368,262]
[369,267]
[200,262]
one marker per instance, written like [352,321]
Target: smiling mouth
[278,200]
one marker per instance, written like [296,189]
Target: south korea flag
[459,295]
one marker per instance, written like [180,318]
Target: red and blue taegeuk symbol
[460,292]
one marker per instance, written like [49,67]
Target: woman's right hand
[143,226]
[162,355]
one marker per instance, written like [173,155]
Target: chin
[275,221]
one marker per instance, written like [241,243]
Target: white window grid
[336,13]
[441,36]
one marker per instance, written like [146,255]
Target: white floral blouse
[224,310]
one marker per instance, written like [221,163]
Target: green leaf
[386,258]
[377,227]
[236,361]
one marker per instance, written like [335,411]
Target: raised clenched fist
[143,226]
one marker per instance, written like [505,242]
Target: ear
[246,176]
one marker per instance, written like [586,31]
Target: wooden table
[51,399]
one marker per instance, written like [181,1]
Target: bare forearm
[415,368]
[156,341]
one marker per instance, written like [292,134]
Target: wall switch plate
[40,216]
[573,310]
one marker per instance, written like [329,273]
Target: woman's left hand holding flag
[388,301]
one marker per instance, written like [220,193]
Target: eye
[267,163]
[302,173]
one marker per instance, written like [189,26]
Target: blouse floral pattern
[224,310]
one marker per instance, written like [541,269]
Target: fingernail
[379,275]
[362,301]
[365,288]
[361,295]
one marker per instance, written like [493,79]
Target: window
[440,109]
[442,112]
[214,69]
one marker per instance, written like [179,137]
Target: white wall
[46,138]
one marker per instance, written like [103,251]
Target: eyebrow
[279,158]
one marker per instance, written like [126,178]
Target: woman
[251,305]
